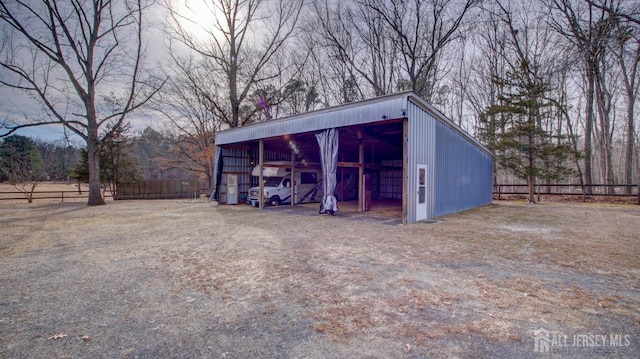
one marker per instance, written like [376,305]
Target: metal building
[400,148]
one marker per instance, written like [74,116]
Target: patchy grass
[193,279]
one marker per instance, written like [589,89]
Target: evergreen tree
[515,130]
[116,163]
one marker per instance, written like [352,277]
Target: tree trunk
[531,177]
[532,189]
[603,102]
[628,166]
[209,174]
[93,162]
[588,127]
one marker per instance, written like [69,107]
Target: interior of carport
[371,154]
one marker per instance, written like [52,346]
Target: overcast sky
[16,105]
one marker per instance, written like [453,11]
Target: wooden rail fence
[619,190]
[40,195]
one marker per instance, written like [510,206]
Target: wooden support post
[342,181]
[405,169]
[293,177]
[360,172]
[260,178]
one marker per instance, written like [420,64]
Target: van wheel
[274,201]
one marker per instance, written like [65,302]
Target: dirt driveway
[178,279]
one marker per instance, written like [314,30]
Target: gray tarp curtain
[217,167]
[328,142]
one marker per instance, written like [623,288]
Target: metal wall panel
[463,173]
[235,161]
[459,172]
[421,148]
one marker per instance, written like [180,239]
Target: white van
[277,184]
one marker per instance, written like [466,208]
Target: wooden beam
[288,165]
[372,166]
[349,164]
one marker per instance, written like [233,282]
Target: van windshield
[272,181]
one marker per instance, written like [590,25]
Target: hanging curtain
[328,142]
[217,167]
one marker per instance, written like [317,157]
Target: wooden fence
[569,190]
[69,196]
[158,190]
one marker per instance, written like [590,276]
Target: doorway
[421,202]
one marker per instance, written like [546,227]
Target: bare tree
[335,78]
[421,31]
[241,40]
[626,50]
[581,24]
[482,92]
[82,61]
[187,104]
[529,143]
[354,38]
[628,11]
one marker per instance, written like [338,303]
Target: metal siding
[433,112]
[421,148]
[379,109]
[462,173]
[236,161]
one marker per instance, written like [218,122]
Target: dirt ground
[191,279]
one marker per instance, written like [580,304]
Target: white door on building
[421,193]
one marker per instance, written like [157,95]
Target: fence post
[638,190]
[62,196]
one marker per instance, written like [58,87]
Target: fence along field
[48,191]
[624,193]
[68,192]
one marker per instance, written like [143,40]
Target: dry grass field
[149,279]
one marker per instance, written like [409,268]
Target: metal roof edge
[407,95]
[320,111]
[413,97]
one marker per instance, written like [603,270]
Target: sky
[47,133]
[16,105]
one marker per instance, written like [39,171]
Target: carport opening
[377,148]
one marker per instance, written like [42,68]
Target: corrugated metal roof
[373,110]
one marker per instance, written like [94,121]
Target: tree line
[550,86]
[126,158]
